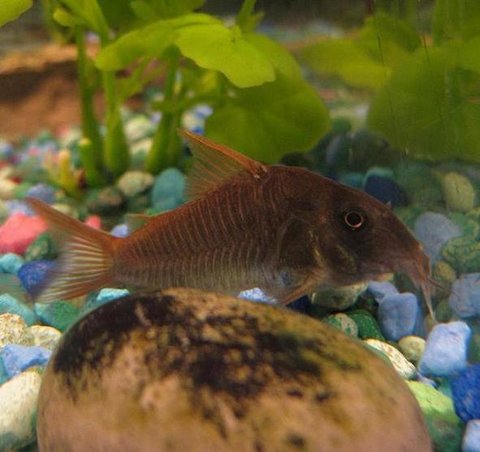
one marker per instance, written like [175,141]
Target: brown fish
[285,230]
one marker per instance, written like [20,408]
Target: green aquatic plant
[11,9]
[425,85]
[261,103]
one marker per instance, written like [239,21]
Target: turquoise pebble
[169,184]
[104,296]
[9,304]
[58,314]
[10,263]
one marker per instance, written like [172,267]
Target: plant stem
[165,148]
[245,12]
[90,128]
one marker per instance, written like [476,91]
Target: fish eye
[354,219]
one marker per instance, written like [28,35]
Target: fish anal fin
[214,164]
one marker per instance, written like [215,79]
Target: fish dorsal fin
[214,164]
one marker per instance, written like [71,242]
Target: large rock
[185,370]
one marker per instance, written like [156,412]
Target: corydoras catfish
[285,230]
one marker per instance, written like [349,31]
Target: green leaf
[172,8]
[214,46]
[429,107]
[456,19]
[11,9]
[271,120]
[469,55]
[388,40]
[89,12]
[348,60]
[64,18]
[148,42]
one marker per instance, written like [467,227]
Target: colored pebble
[18,232]
[403,367]
[397,315]
[343,323]
[133,183]
[104,296]
[10,263]
[302,304]
[170,183]
[120,230]
[367,325]
[18,399]
[466,393]
[385,190]
[13,330]
[443,424]
[459,193]
[381,289]
[45,336]
[443,273]
[17,358]
[256,295]
[13,306]
[471,438]
[445,350]
[338,298]
[42,248]
[470,227]
[105,201]
[44,192]
[32,274]
[463,254]
[7,189]
[58,314]
[465,296]
[433,230]
[412,347]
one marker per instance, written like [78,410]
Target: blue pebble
[10,263]
[44,192]
[466,393]
[120,230]
[202,111]
[381,289]
[300,305]
[105,296]
[465,296]
[352,179]
[15,206]
[445,350]
[9,304]
[471,437]
[257,295]
[168,184]
[434,230]
[397,315]
[385,190]
[33,273]
[17,358]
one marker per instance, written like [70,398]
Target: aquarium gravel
[442,361]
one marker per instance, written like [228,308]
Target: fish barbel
[285,230]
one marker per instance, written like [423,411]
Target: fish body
[283,229]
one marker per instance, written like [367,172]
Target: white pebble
[13,330]
[403,367]
[18,399]
[45,336]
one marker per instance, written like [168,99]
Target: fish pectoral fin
[214,164]
[308,285]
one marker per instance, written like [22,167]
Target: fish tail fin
[86,257]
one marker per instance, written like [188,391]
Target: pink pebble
[19,231]
[94,221]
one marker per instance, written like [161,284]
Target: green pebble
[42,248]
[367,325]
[445,428]
[474,214]
[463,254]
[105,201]
[443,311]
[22,189]
[339,298]
[443,273]
[58,314]
[343,323]
[459,193]
[408,215]
[412,347]
[470,227]
[133,183]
